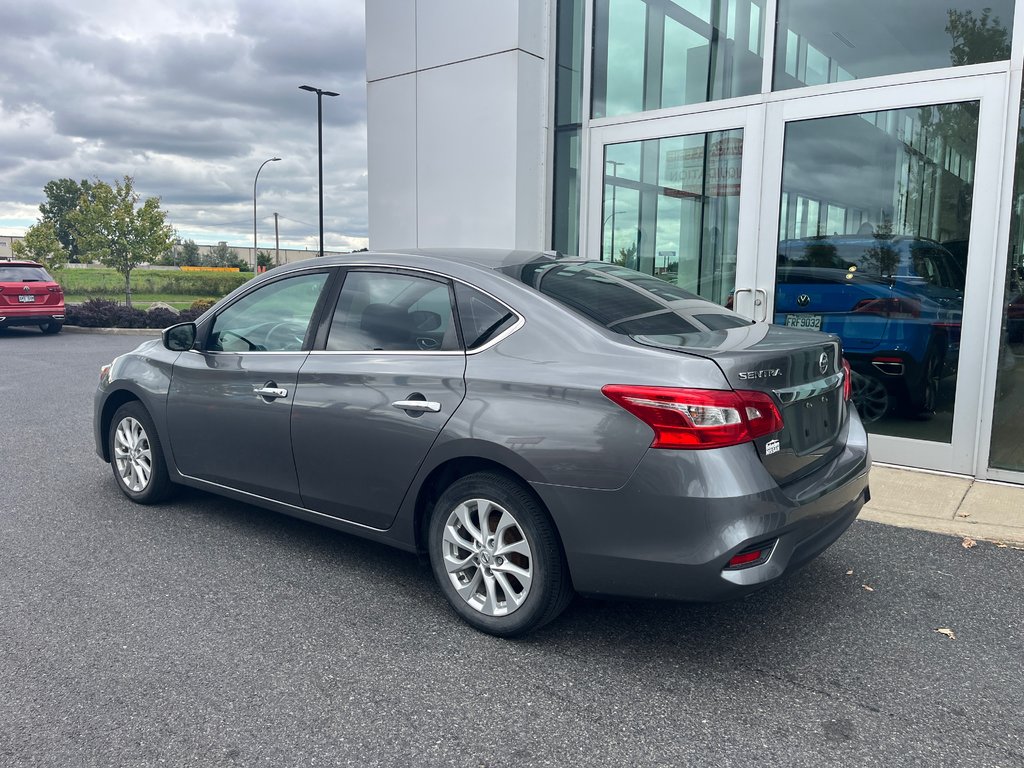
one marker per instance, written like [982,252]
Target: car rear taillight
[847,380]
[698,418]
[893,307]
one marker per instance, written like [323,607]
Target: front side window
[394,312]
[273,318]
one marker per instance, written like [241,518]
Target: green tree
[42,244]
[113,227]
[977,39]
[221,255]
[63,198]
[264,259]
[189,255]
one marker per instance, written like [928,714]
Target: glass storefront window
[829,41]
[651,54]
[671,209]
[1007,448]
[873,236]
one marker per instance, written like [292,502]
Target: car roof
[20,264]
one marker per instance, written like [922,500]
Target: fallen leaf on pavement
[968,542]
[850,572]
[963,514]
[947,632]
[1002,546]
[869,589]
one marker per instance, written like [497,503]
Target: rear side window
[13,274]
[482,318]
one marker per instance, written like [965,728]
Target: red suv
[29,296]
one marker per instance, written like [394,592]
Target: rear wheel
[136,455]
[496,556]
[870,396]
[53,326]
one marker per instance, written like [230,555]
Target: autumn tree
[41,244]
[114,227]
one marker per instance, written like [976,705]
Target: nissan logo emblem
[823,362]
[803,300]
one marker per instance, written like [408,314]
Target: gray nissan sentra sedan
[536,425]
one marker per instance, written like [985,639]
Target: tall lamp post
[271,160]
[320,93]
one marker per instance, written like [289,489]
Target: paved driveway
[206,632]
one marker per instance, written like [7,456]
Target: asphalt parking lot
[206,632]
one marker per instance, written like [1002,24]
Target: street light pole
[271,160]
[320,93]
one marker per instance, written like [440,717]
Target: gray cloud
[189,98]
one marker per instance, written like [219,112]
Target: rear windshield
[14,273]
[625,301]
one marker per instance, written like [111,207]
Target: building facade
[853,167]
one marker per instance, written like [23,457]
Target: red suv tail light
[847,380]
[698,418]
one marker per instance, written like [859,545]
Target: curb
[114,331]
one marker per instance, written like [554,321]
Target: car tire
[54,326]
[922,402]
[136,455]
[496,556]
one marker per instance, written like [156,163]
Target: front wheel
[496,556]
[136,455]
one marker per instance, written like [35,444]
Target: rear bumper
[672,529]
[37,315]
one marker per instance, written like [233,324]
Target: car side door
[229,402]
[387,374]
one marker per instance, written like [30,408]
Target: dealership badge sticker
[773,446]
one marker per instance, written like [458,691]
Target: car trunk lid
[801,370]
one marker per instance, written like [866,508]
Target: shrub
[100,313]
[201,305]
[161,317]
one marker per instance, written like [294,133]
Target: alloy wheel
[870,396]
[487,557]
[133,454]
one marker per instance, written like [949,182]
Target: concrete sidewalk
[959,506]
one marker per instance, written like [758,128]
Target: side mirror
[180,337]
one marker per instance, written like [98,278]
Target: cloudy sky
[189,97]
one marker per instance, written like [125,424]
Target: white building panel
[390,38]
[391,152]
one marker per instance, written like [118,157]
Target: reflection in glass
[829,41]
[873,235]
[565,236]
[1008,418]
[671,209]
[651,54]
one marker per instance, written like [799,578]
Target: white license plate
[804,321]
[26,298]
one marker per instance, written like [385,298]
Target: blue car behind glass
[896,303]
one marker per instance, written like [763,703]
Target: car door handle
[420,406]
[270,392]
